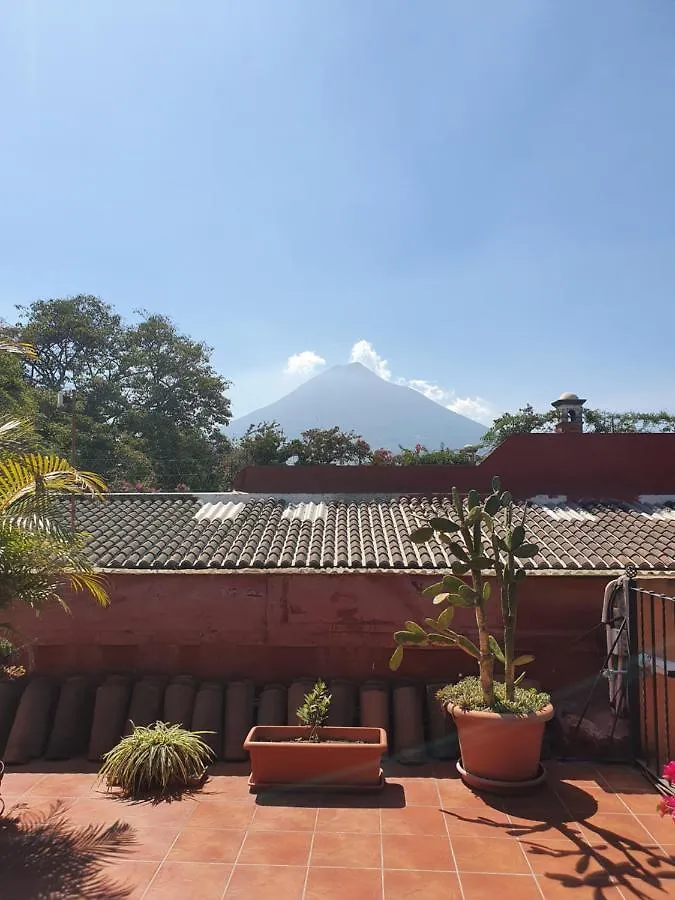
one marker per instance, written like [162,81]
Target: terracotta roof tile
[241,531]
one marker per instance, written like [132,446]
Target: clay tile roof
[244,531]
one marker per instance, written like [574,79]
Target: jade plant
[487,538]
[314,711]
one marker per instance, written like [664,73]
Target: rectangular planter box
[332,762]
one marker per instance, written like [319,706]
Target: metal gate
[651,681]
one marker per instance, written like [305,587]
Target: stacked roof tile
[253,531]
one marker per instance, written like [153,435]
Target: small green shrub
[160,758]
[468,694]
[314,711]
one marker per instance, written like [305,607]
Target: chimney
[570,414]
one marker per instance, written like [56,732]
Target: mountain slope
[384,414]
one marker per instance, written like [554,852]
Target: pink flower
[666,807]
[669,771]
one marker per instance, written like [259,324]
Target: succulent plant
[486,542]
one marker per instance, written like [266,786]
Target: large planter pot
[342,758]
[500,752]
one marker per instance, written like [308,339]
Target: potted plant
[314,754]
[500,725]
[160,759]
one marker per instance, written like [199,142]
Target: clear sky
[480,194]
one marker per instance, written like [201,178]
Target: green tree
[420,456]
[149,405]
[176,404]
[525,421]
[264,444]
[323,446]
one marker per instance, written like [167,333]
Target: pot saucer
[492,786]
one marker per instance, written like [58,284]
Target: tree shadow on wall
[43,856]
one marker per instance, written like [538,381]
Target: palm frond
[34,475]
[93,583]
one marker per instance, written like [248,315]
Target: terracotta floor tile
[456,795]
[62,785]
[415,851]
[19,782]
[153,843]
[646,864]
[477,854]
[622,777]
[419,791]
[561,857]
[266,883]
[152,814]
[95,812]
[231,787]
[283,818]
[178,880]
[276,848]
[422,886]
[338,884]
[506,887]
[570,887]
[203,845]
[356,821]
[618,827]
[641,804]
[586,802]
[133,876]
[485,823]
[33,807]
[223,814]
[413,820]
[661,829]
[354,851]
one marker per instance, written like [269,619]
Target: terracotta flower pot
[500,752]
[335,761]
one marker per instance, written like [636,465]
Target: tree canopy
[150,407]
[527,420]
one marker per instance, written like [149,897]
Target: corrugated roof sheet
[243,531]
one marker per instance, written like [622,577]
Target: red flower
[666,807]
[669,771]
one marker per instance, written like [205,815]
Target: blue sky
[479,194]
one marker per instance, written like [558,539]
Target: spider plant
[156,759]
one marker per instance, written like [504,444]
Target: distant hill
[384,414]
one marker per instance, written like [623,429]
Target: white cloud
[433,391]
[363,352]
[304,363]
[474,407]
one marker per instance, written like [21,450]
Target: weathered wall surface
[270,626]
[578,466]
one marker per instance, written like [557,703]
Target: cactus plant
[484,538]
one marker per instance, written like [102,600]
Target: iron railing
[651,682]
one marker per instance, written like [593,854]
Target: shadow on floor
[565,845]
[392,796]
[44,857]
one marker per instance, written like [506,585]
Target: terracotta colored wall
[273,626]
[579,466]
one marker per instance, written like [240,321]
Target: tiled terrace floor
[592,833]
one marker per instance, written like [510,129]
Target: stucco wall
[577,466]
[270,626]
